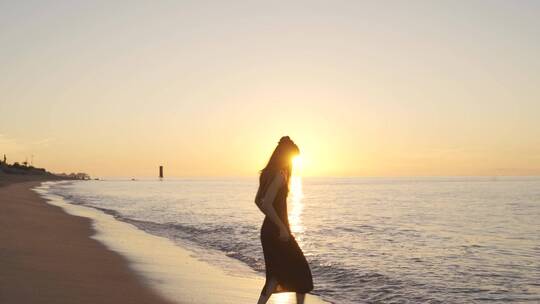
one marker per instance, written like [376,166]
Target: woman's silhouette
[286,267]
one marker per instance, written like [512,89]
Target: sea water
[367,240]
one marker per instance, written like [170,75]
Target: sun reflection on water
[295,200]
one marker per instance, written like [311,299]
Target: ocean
[367,240]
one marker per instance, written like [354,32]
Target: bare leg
[269,290]
[300,298]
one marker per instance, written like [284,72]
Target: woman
[286,267]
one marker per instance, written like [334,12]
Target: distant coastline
[10,173]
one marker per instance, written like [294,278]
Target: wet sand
[47,256]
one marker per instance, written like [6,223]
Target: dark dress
[284,260]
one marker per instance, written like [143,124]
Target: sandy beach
[47,256]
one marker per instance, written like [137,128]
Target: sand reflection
[283,298]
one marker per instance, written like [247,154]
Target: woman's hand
[284,235]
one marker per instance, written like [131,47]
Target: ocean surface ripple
[379,240]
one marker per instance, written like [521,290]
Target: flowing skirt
[284,261]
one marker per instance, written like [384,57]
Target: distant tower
[160,172]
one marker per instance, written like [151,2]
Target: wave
[339,273]
[242,243]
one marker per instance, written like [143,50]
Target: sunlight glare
[297,165]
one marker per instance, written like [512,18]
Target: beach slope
[47,256]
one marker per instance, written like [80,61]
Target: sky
[207,88]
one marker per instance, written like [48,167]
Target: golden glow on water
[295,205]
[295,200]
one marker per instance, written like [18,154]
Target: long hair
[280,159]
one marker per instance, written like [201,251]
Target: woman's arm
[258,199]
[267,202]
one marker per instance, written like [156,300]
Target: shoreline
[48,256]
[78,254]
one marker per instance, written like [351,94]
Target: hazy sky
[207,88]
